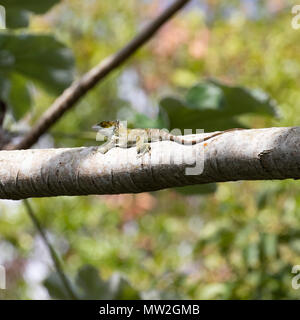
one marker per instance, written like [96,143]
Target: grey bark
[256,154]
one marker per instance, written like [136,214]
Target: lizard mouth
[95,127]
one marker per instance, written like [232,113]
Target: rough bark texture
[257,154]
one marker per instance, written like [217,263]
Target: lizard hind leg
[142,147]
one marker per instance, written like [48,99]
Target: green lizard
[119,136]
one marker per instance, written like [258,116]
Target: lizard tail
[184,141]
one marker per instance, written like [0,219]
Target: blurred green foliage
[27,57]
[18,11]
[90,286]
[238,241]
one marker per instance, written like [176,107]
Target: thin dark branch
[52,252]
[5,136]
[80,87]
[2,112]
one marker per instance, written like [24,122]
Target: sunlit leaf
[142,121]
[205,96]
[269,244]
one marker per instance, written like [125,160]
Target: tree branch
[4,135]
[80,87]
[65,281]
[256,154]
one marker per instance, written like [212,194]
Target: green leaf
[182,117]
[205,96]
[241,100]
[197,189]
[4,86]
[55,287]
[179,115]
[39,57]
[270,245]
[91,286]
[140,120]
[18,11]
[215,106]
[17,18]
[251,254]
[122,290]
[19,98]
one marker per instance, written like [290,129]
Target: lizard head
[106,128]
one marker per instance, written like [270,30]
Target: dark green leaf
[4,87]
[241,100]
[197,189]
[91,285]
[182,117]
[55,287]
[142,121]
[122,290]
[214,106]
[205,96]
[17,18]
[39,57]
[20,99]
[18,11]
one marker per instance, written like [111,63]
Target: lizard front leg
[107,146]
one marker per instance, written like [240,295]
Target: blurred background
[216,65]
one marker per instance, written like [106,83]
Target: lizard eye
[105,124]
